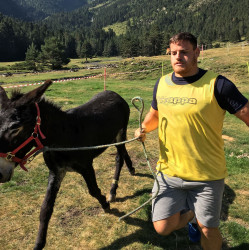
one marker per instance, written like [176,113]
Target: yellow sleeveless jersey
[190,130]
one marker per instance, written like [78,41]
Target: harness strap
[38,122]
[11,156]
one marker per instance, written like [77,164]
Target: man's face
[184,58]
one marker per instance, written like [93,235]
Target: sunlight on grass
[118,28]
[78,222]
[235,234]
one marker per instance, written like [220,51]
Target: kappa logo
[176,100]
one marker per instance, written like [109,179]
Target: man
[188,109]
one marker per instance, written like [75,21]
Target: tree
[87,50]
[130,47]
[165,42]
[7,41]
[155,38]
[31,57]
[110,48]
[234,36]
[53,54]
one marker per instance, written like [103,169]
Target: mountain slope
[144,26]
[213,19]
[14,9]
[37,9]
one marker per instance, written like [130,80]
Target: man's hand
[141,133]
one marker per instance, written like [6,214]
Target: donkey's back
[103,119]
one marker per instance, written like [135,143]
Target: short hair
[184,36]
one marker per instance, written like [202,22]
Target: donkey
[28,123]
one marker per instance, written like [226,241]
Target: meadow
[78,222]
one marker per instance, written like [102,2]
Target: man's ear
[197,52]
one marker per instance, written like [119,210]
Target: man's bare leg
[174,222]
[211,238]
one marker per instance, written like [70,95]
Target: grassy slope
[118,28]
[78,221]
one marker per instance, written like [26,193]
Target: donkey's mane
[51,104]
[16,94]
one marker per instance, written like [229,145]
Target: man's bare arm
[243,114]
[149,124]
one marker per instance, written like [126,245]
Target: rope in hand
[146,156]
[45,149]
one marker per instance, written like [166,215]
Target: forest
[148,25]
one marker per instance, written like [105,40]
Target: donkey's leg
[123,151]
[121,155]
[128,160]
[90,179]
[119,163]
[54,184]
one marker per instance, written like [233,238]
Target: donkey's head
[17,121]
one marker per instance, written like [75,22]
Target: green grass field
[78,222]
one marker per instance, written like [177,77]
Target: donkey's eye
[15,131]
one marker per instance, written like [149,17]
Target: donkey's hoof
[132,171]
[106,206]
[39,246]
[111,197]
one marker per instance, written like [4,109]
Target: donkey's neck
[54,124]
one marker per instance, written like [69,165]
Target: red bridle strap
[11,156]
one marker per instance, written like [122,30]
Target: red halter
[11,156]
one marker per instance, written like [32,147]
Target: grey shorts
[176,195]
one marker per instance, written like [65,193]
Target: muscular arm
[243,114]
[149,124]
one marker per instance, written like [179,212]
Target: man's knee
[209,232]
[163,229]
[166,226]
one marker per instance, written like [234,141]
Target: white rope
[146,156]
[89,148]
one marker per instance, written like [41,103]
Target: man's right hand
[141,134]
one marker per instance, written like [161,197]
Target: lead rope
[146,156]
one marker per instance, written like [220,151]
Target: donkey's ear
[34,95]
[3,97]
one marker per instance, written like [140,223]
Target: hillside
[36,9]
[200,17]
[125,28]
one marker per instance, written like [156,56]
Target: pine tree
[87,50]
[130,46]
[110,49]
[53,54]
[234,36]
[7,41]
[155,38]
[31,57]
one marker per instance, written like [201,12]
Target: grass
[118,28]
[78,222]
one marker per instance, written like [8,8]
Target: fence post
[104,79]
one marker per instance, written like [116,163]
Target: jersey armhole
[154,103]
